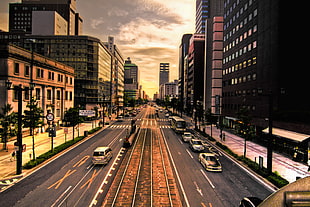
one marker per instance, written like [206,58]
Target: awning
[295,136]
[231,118]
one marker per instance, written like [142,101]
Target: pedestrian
[308,165]
[12,156]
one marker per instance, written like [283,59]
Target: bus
[178,124]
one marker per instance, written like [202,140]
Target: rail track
[145,177]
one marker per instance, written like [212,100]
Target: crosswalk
[128,126]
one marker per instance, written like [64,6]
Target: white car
[187,136]
[210,162]
[196,145]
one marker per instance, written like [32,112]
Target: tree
[8,119]
[244,125]
[72,116]
[33,119]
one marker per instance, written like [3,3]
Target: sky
[147,31]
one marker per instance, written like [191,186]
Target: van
[102,155]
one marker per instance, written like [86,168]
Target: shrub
[49,154]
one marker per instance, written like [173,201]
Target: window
[49,94]
[16,68]
[38,93]
[58,95]
[27,71]
[40,73]
[51,75]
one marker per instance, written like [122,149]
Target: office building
[202,13]
[213,57]
[117,75]
[131,79]
[163,73]
[54,81]
[90,58]
[183,68]
[195,78]
[21,15]
[48,23]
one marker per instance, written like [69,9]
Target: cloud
[96,22]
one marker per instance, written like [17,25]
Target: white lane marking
[189,153]
[204,174]
[198,189]
[105,181]
[176,171]
[61,195]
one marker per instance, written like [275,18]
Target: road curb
[28,172]
[248,170]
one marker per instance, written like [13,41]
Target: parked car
[187,136]
[102,155]
[196,145]
[250,202]
[210,162]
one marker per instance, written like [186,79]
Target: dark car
[250,202]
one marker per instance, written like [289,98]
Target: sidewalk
[285,166]
[42,145]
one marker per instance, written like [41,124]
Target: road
[71,179]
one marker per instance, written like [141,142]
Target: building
[202,13]
[117,75]
[131,80]
[21,15]
[169,90]
[48,23]
[163,73]
[54,81]
[183,68]
[195,78]
[258,67]
[90,58]
[246,67]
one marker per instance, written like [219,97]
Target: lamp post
[270,126]
[19,89]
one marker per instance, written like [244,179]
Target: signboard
[66,131]
[87,113]
[50,117]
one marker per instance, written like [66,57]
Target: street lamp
[270,126]
[19,142]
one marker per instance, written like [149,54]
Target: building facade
[202,13]
[131,80]
[54,81]
[195,77]
[163,73]
[183,68]
[91,60]
[20,14]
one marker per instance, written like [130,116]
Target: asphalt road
[71,179]
[203,188]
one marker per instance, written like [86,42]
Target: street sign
[50,117]
[66,131]
[87,112]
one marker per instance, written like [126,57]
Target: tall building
[183,68]
[258,67]
[22,17]
[195,78]
[202,13]
[90,58]
[131,79]
[213,57]
[117,75]
[163,73]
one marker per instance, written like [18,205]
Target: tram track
[145,177]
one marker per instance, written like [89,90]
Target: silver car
[196,145]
